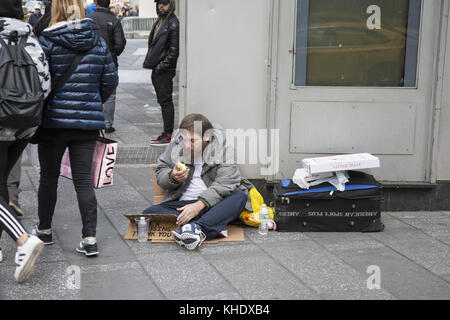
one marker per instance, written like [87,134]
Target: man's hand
[179,175]
[189,212]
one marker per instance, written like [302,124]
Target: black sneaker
[162,140]
[88,247]
[45,235]
[159,137]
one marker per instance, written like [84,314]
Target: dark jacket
[111,30]
[79,103]
[34,18]
[163,50]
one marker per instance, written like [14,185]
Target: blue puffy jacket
[79,103]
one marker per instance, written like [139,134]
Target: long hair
[66,10]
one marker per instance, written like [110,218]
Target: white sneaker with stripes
[26,256]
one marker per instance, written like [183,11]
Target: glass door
[356,76]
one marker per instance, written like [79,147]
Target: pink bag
[102,163]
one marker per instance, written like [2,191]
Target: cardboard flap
[161,226]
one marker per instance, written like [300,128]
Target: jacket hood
[8,24]
[78,35]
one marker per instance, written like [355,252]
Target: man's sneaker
[45,235]
[26,256]
[190,235]
[110,130]
[162,141]
[17,209]
[88,247]
[1,255]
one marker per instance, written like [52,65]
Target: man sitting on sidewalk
[209,193]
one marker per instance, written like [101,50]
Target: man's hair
[104,3]
[188,122]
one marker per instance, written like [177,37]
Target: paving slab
[48,282]
[399,276]
[192,278]
[254,274]
[320,270]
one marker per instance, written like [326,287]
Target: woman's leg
[9,153]
[81,155]
[51,151]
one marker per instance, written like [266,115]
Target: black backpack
[21,95]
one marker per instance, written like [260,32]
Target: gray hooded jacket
[220,173]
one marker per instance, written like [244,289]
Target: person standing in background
[90,9]
[162,57]
[35,16]
[112,31]
[44,21]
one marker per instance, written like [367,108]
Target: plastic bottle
[263,220]
[142,230]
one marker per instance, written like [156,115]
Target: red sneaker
[162,141]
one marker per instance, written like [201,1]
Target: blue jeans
[109,107]
[212,221]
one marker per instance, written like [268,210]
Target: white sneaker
[26,256]
[1,255]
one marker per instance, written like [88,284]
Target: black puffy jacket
[163,50]
[111,29]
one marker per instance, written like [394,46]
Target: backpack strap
[66,76]
[23,40]
[2,42]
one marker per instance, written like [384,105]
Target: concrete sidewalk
[413,253]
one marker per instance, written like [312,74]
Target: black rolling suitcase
[323,208]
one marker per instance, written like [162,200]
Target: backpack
[21,94]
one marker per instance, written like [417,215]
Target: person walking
[31,78]
[44,21]
[35,16]
[162,57]
[73,116]
[112,31]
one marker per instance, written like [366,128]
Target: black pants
[10,152]
[163,83]
[51,147]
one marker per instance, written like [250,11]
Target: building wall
[227,55]
[227,50]
[444,132]
[147,9]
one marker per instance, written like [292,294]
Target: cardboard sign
[162,225]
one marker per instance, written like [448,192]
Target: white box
[341,163]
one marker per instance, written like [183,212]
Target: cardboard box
[341,163]
[158,192]
[162,225]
